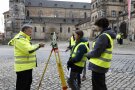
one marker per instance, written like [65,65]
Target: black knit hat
[102,22]
[80,33]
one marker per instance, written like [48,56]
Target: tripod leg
[44,70]
[61,72]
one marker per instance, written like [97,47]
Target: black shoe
[79,85]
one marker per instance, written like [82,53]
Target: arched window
[40,4]
[95,17]
[7,16]
[56,14]
[68,29]
[96,4]
[40,13]
[60,29]
[40,19]
[43,29]
[55,5]
[113,13]
[35,29]
[85,15]
[29,3]
[84,6]
[16,8]
[71,6]
[73,20]
[71,14]
[28,13]
[64,20]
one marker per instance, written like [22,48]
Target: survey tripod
[58,62]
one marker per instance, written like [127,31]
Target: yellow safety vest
[83,60]
[72,41]
[118,36]
[106,56]
[23,59]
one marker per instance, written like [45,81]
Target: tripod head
[54,41]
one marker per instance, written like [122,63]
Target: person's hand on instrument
[41,45]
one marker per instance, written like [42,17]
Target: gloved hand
[70,63]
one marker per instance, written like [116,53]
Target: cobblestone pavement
[121,75]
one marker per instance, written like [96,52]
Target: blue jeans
[73,81]
[84,70]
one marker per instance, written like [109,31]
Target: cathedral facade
[45,16]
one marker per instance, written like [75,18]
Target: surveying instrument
[58,62]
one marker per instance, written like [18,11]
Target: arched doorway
[50,32]
[123,29]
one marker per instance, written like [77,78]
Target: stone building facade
[46,16]
[115,11]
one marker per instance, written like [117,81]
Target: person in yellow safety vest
[101,55]
[77,60]
[71,43]
[121,39]
[25,57]
[118,36]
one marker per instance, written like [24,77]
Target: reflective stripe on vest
[25,57]
[25,62]
[32,56]
[82,62]
[106,56]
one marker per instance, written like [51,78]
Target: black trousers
[24,80]
[121,41]
[98,81]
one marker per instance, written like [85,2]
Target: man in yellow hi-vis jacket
[25,57]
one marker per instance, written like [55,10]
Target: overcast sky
[4,6]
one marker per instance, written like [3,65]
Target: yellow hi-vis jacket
[24,60]
[104,60]
[83,60]
[72,41]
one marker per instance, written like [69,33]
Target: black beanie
[80,33]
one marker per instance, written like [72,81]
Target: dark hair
[25,26]
[80,33]
[102,22]
[77,28]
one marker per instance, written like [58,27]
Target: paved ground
[121,75]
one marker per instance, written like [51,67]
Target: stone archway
[50,31]
[123,29]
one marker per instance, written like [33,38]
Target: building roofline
[6,12]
